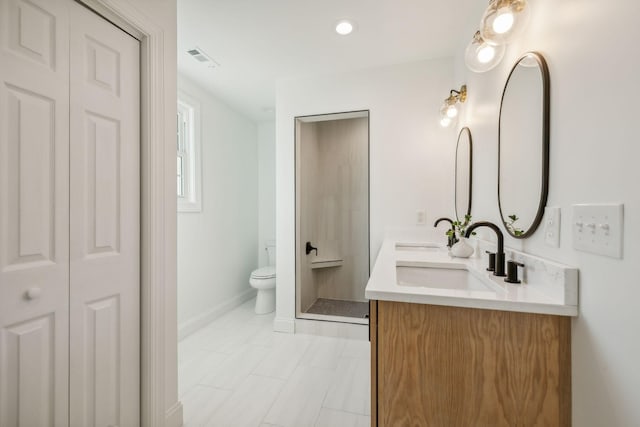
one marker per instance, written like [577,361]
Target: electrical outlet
[421,217]
[598,229]
[552,226]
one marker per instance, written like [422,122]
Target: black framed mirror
[463,174]
[523,146]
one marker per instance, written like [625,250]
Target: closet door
[34,221]
[105,230]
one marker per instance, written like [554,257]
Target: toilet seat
[264,273]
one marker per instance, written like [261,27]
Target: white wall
[411,157]
[266,187]
[592,53]
[217,248]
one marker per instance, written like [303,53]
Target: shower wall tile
[307,172]
[343,194]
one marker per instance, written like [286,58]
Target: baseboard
[283,324]
[190,326]
[173,417]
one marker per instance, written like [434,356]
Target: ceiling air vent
[202,57]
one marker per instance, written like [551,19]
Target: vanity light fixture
[481,56]
[504,20]
[344,27]
[449,109]
[501,23]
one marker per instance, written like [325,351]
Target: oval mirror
[464,167]
[523,146]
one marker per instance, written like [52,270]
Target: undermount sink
[418,246]
[439,277]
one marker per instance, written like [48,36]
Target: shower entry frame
[302,246]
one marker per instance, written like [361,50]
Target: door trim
[298,244]
[159,405]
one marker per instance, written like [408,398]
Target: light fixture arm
[449,110]
[457,95]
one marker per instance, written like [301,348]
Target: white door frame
[157,240]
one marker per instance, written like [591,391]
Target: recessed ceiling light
[344,27]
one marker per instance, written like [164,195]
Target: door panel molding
[34,204]
[103,136]
[29,373]
[159,401]
[104,176]
[31,171]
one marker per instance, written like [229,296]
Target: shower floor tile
[334,307]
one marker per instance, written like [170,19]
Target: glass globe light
[448,113]
[449,110]
[504,20]
[481,56]
[446,122]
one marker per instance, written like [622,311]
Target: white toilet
[264,280]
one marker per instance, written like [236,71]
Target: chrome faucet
[451,240]
[498,269]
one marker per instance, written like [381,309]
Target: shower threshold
[340,308]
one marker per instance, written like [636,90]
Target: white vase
[462,249]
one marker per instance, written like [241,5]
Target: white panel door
[104,225]
[34,220]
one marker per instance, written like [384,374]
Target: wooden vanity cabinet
[449,366]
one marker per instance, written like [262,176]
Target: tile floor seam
[346,411]
[321,406]
[268,376]
[266,413]
[214,387]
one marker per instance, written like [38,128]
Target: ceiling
[257,42]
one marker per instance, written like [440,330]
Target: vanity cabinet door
[451,366]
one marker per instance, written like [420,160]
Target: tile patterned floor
[237,372]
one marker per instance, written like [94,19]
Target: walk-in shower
[332,216]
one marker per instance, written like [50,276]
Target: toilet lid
[264,273]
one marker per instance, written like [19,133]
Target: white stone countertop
[547,288]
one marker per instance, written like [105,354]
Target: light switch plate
[552,226]
[598,229]
[421,217]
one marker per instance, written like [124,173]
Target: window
[188,154]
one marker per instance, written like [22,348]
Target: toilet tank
[270,247]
